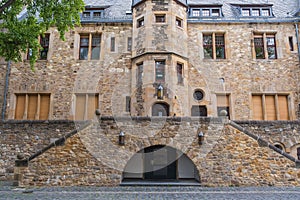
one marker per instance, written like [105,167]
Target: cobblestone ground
[155,193]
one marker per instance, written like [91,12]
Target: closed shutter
[257,107]
[92,105]
[270,107]
[223,100]
[32,106]
[80,107]
[20,106]
[283,107]
[44,106]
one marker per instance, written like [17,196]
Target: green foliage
[19,33]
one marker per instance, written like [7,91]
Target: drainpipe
[297,37]
[5,90]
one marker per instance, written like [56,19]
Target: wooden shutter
[257,107]
[32,106]
[92,105]
[283,107]
[270,107]
[223,100]
[20,106]
[80,107]
[44,106]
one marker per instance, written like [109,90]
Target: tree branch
[7,4]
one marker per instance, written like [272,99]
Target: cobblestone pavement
[155,193]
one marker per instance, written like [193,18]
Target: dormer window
[92,13]
[205,11]
[256,11]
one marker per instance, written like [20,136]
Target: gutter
[297,38]
[6,90]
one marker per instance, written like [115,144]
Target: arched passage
[161,164]
[160,109]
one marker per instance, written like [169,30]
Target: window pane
[139,75]
[160,18]
[195,12]
[179,73]
[270,107]
[265,12]
[283,107]
[205,12]
[271,47]
[112,44]
[32,106]
[257,107]
[215,12]
[160,71]
[259,48]
[255,12]
[96,40]
[44,106]
[45,46]
[246,12]
[83,54]
[97,15]
[129,44]
[207,46]
[140,22]
[220,46]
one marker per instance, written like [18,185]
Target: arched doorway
[160,109]
[160,164]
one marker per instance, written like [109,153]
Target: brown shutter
[257,107]
[80,107]
[270,107]
[223,100]
[20,106]
[92,105]
[32,106]
[283,107]
[44,106]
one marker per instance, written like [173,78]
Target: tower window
[160,18]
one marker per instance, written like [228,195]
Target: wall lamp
[160,91]
[200,138]
[121,138]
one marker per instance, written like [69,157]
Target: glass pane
[195,12]
[215,12]
[245,12]
[220,52]
[97,15]
[271,52]
[43,54]
[265,12]
[207,46]
[255,12]
[270,41]
[95,53]
[160,71]
[96,40]
[205,12]
[83,53]
[259,48]
[84,41]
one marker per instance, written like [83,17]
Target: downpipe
[5,90]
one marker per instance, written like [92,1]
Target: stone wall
[26,138]
[226,158]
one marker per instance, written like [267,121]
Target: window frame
[261,10]
[276,105]
[38,109]
[201,10]
[214,46]
[180,73]
[90,46]
[160,68]
[160,18]
[264,45]
[45,43]
[140,22]
[86,105]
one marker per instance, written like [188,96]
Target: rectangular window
[139,74]
[96,15]
[128,99]
[85,106]
[140,22]
[291,43]
[255,12]
[129,43]
[265,46]
[223,104]
[214,46]
[32,106]
[215,12]
[178,22]
[179,69]
[160,71]
[205,13]
[44,41]
[112,44]
[196,12]
[86,15]
[259,47]
[96,41]
[160,18]
[270,107]
[245,12]
[89,47]
[199,111]
[265,12]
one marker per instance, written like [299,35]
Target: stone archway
[160,109]
[162,164]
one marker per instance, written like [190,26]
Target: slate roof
[281,8]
